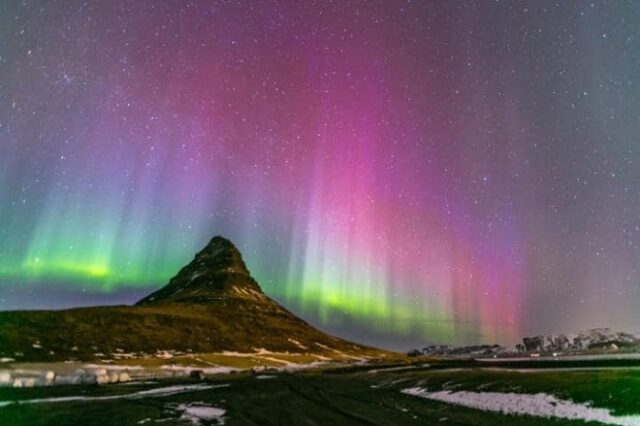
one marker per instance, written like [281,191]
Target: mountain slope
[217,273]
[212,305]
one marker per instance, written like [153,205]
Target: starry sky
[396,172]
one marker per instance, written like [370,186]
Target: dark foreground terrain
[350,396]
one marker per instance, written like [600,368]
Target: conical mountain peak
[221,255]
[216,273]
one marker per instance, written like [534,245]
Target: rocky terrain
[592,341]
[596,339]
[446,350]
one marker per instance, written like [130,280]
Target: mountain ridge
[593,340]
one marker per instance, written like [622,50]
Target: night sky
[395,172]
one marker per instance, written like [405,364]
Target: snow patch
[157,392]
[298,344]
[404,367]
[196,412]
[327,347]
[195,276]
[259,352]
[321,358]
[5,378]
[24,382]
[297,367]
[110,367]
[538,357]
[538,405]
[207,370]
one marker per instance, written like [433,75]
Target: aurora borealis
[394,171]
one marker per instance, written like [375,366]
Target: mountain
[595,340]
[587,340]
[217,273]
[212,305]
[461,351]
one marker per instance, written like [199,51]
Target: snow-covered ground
[593,357]
[405,367]
[186,370]
[46,374]
[156,392]
[76,373]
[538,405]
[196,412]
[558,369]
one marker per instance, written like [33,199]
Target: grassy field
[231,323]
[350,396]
